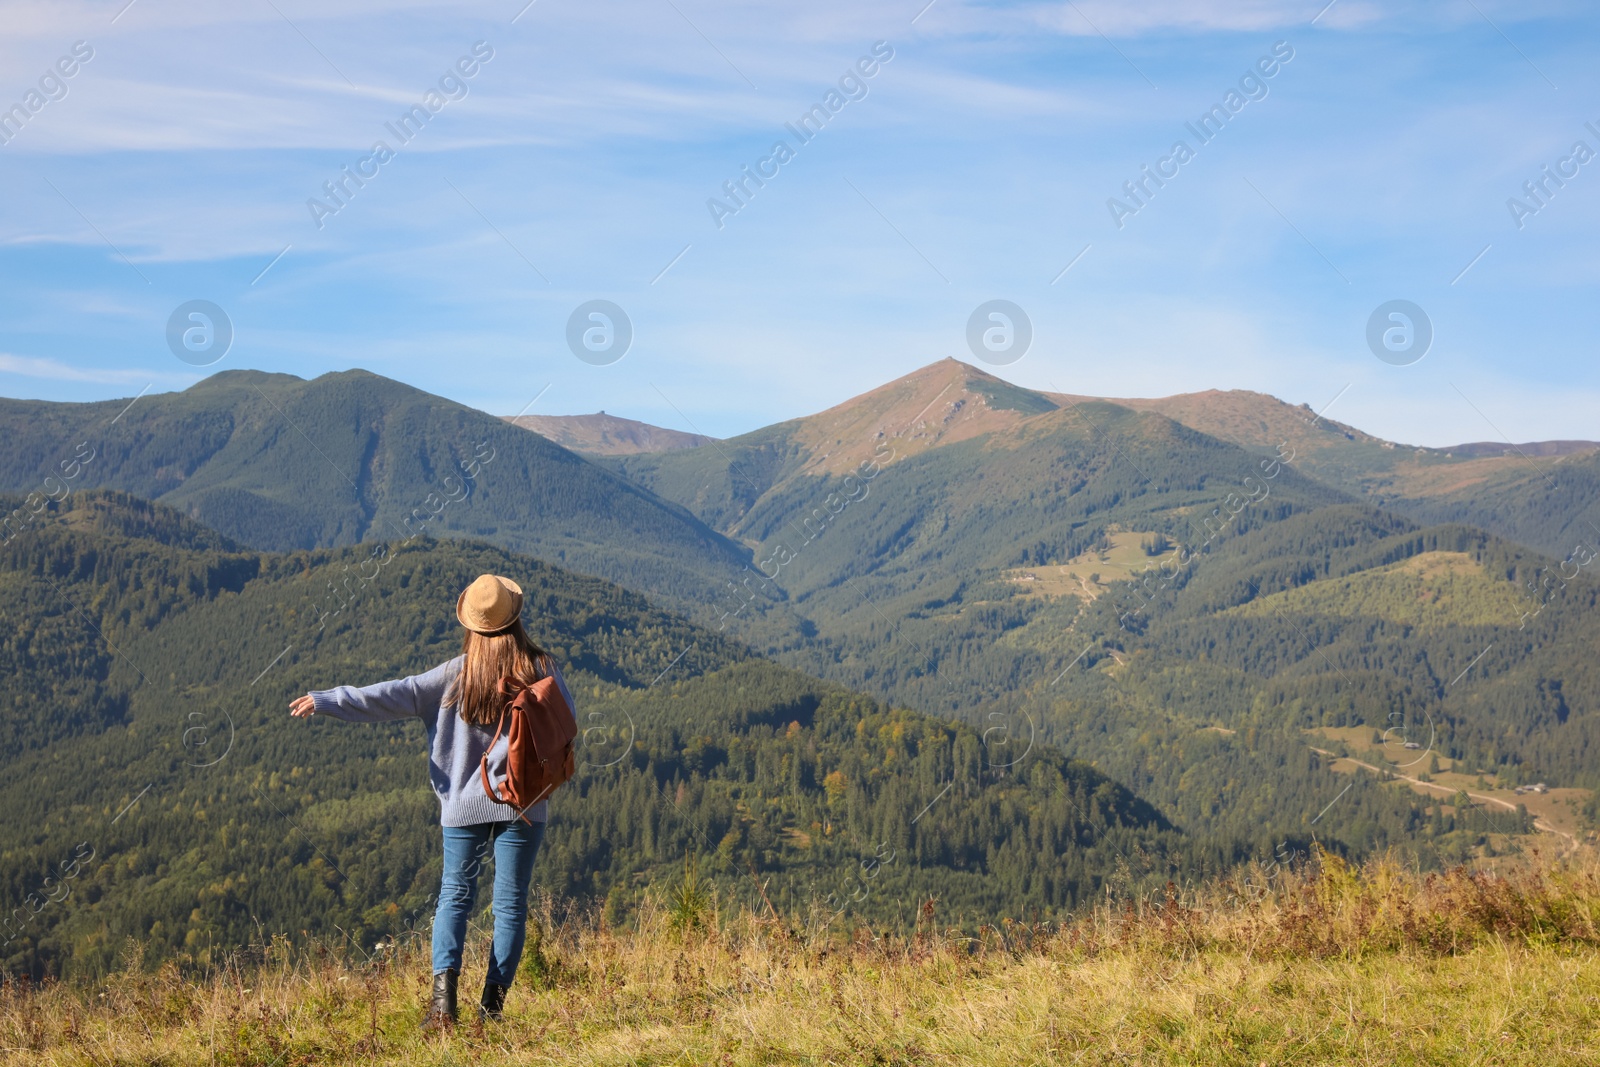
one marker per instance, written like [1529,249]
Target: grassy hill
[279,464]
[1428,592]
[1320,964]
[159,790]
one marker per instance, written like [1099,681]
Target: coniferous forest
[160,792]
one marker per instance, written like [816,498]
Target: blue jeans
[466,849]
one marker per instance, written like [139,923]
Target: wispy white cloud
[1094,17]
[55,370]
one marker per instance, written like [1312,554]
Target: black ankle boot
[493,1001]
[441,1014]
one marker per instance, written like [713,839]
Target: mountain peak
[242,376]
[939,404]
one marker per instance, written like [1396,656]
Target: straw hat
[490,604]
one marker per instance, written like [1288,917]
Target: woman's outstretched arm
[402,698]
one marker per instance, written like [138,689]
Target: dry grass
[1125,560]
[1327,965]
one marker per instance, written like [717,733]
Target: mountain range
[1011,542]
[1197,618]
[1499,486]
[279,464]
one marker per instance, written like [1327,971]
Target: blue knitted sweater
[455,747]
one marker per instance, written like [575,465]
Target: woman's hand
[303,707]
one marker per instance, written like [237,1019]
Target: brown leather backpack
[541,739]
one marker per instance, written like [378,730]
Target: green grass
[1428,592]
[1323,965]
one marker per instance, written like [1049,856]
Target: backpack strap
[506,688]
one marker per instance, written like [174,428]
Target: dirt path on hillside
[1538,823]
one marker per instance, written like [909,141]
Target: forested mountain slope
[1180,609]
[1204,683]
[924,495]
[942,533]
[158,789]
[1548,503]
[279,463]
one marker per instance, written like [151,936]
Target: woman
[459,704]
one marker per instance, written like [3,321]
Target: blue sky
[978,165]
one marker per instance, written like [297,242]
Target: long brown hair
[510,653]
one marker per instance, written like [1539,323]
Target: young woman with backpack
[474,762]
